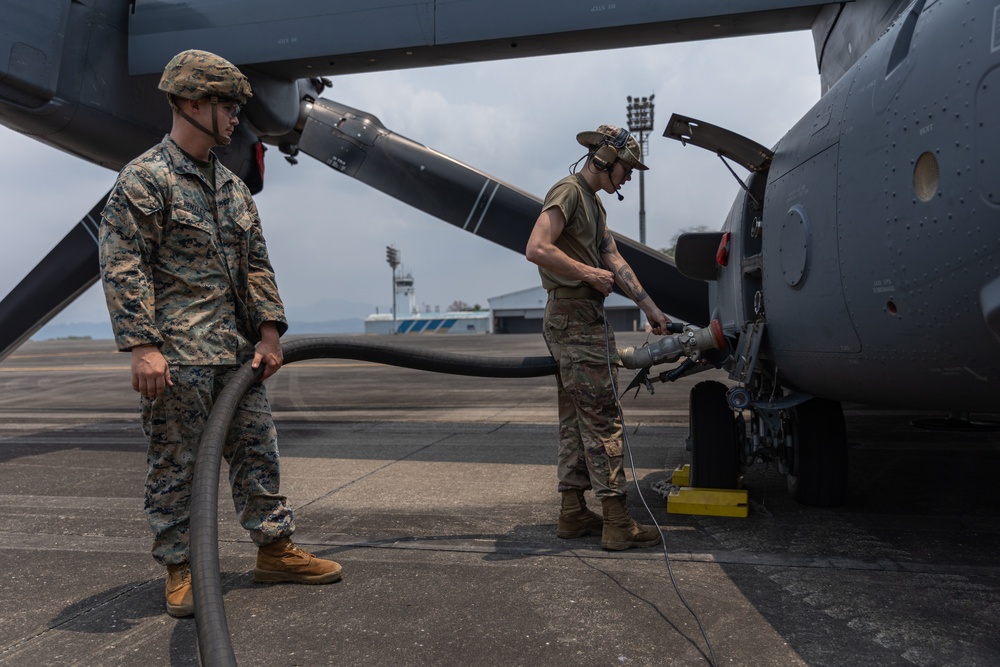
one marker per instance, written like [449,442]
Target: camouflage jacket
[172,249]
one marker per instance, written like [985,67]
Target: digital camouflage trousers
[590,429]
[173,425]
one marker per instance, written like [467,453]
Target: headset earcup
[605,157]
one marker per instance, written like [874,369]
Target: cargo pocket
[557,322]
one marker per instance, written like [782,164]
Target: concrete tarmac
[437,495]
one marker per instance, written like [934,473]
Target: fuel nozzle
[690,342]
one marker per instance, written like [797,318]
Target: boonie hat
[628,148]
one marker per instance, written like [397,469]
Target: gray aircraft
[859,261]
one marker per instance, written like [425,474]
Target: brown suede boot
[180,599]
[621,531]
[283,561]
[575,520]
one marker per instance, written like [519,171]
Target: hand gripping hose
[215,646]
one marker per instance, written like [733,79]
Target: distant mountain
[329,310]
[329,316]
[95,330]
[346,326]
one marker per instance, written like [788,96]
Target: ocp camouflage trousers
[590,430]
[173,425]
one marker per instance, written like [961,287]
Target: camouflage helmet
[195,74]
[618,139]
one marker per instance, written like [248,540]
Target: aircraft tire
[818,476]
[714,443]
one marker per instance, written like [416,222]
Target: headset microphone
[605,158]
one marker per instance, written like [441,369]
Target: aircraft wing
[309,38]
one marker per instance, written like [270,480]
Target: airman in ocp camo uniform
[192,295]
[579,264]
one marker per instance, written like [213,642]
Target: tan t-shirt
[586,221]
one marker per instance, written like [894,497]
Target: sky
[516,120]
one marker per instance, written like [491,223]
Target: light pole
[392,256]
[640,121]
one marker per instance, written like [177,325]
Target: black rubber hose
[214,643]
[215,646]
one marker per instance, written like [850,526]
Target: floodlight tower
[392,257]
[640,122]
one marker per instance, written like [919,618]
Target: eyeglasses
[231,109]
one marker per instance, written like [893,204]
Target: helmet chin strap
[219,138]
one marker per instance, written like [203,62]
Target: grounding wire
[635,476]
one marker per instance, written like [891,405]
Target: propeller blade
[64,274]
[358,144]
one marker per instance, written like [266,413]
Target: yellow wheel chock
[707,502]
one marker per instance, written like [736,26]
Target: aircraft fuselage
[877,263]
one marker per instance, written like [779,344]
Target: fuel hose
[215,647]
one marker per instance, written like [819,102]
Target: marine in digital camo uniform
[579,264]
[192,295]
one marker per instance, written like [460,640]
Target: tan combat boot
[575,520]
[621,531]
[180,599]
[283,561]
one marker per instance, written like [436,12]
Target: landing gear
[818,457]
[714,438]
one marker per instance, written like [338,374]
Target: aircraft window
[926,177]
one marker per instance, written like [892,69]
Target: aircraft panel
[859,25]
[988,131]
[749,154]
[254,31]
[314,38]
[915,274]
[803,297]
[815,132]
[31,50]
[479,20]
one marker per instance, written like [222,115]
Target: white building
[517,312]
[409,319]
[465,322]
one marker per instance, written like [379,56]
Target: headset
[606,157]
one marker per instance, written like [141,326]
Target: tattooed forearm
[605,245]
[631,284]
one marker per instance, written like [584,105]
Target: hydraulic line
[215,646]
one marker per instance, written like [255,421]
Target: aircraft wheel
[818,474]
[714,441]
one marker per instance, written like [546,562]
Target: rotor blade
[64,274]
[357,144]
